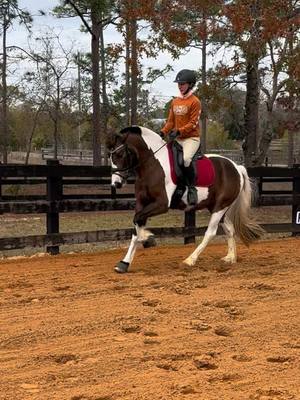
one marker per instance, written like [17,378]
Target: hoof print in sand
[223,331]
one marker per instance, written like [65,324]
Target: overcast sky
[70,28]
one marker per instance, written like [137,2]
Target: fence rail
[56,178]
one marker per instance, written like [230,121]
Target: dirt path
[72,329]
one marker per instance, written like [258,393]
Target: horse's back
[223,165]
[228,177]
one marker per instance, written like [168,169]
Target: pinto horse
[143,152]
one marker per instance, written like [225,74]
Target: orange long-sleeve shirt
[184,116]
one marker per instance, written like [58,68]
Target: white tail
[238,213]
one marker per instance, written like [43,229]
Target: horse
[142,152]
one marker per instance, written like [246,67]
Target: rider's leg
[190,146]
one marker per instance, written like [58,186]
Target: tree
[95,16]
[52,78]
[255,28]
[9,12]
[191,24]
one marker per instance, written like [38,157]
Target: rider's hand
[173,135]
[162,135]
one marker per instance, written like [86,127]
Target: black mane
[132,129]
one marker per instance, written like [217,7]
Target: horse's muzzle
[117,185]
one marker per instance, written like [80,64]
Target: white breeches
[189,146]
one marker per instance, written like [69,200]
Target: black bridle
[129,155]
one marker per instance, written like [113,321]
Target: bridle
[128,158]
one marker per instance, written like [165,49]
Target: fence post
[113,192]
[296,204]
[54,193]
[190,221]
[1,189]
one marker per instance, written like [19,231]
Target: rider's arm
[170,124]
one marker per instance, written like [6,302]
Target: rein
[156,151]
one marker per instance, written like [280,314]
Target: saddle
[204,171]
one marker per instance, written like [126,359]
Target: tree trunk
[291,159]
[56,119]
[203,100]
[265,140]
[96,89]
[134,72]
[105,105]
[251,112]
[32,133]
[79,102]
[127,74]
[4,121]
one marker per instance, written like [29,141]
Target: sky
[163,88]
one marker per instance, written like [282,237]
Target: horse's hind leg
[209,234]
[228,228]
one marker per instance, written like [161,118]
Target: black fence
[55,178]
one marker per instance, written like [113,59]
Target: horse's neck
[159,150]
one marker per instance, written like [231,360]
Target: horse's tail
[238,212]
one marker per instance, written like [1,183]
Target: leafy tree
[256,28]
[218,137]
[191,24]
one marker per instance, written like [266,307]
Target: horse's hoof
[188,262]
[229,260]
[122,267]
[150,242]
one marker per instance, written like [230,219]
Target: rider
[183,125]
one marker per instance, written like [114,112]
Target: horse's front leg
[142,234]
[140,219]
[124,264]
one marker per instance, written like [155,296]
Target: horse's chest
[147,193]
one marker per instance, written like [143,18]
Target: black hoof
[122,267]
[150,242]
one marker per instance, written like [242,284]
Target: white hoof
[229,259]
[189,261]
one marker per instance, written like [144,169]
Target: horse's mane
[152,139]
[132,129]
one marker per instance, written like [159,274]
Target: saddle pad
[205,170]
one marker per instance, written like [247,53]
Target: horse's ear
[132,129]
[110,140]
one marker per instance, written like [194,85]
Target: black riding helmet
[186,76]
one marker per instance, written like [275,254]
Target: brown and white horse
[141,151]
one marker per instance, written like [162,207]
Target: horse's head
[123,157]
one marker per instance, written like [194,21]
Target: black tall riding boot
[192,196]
